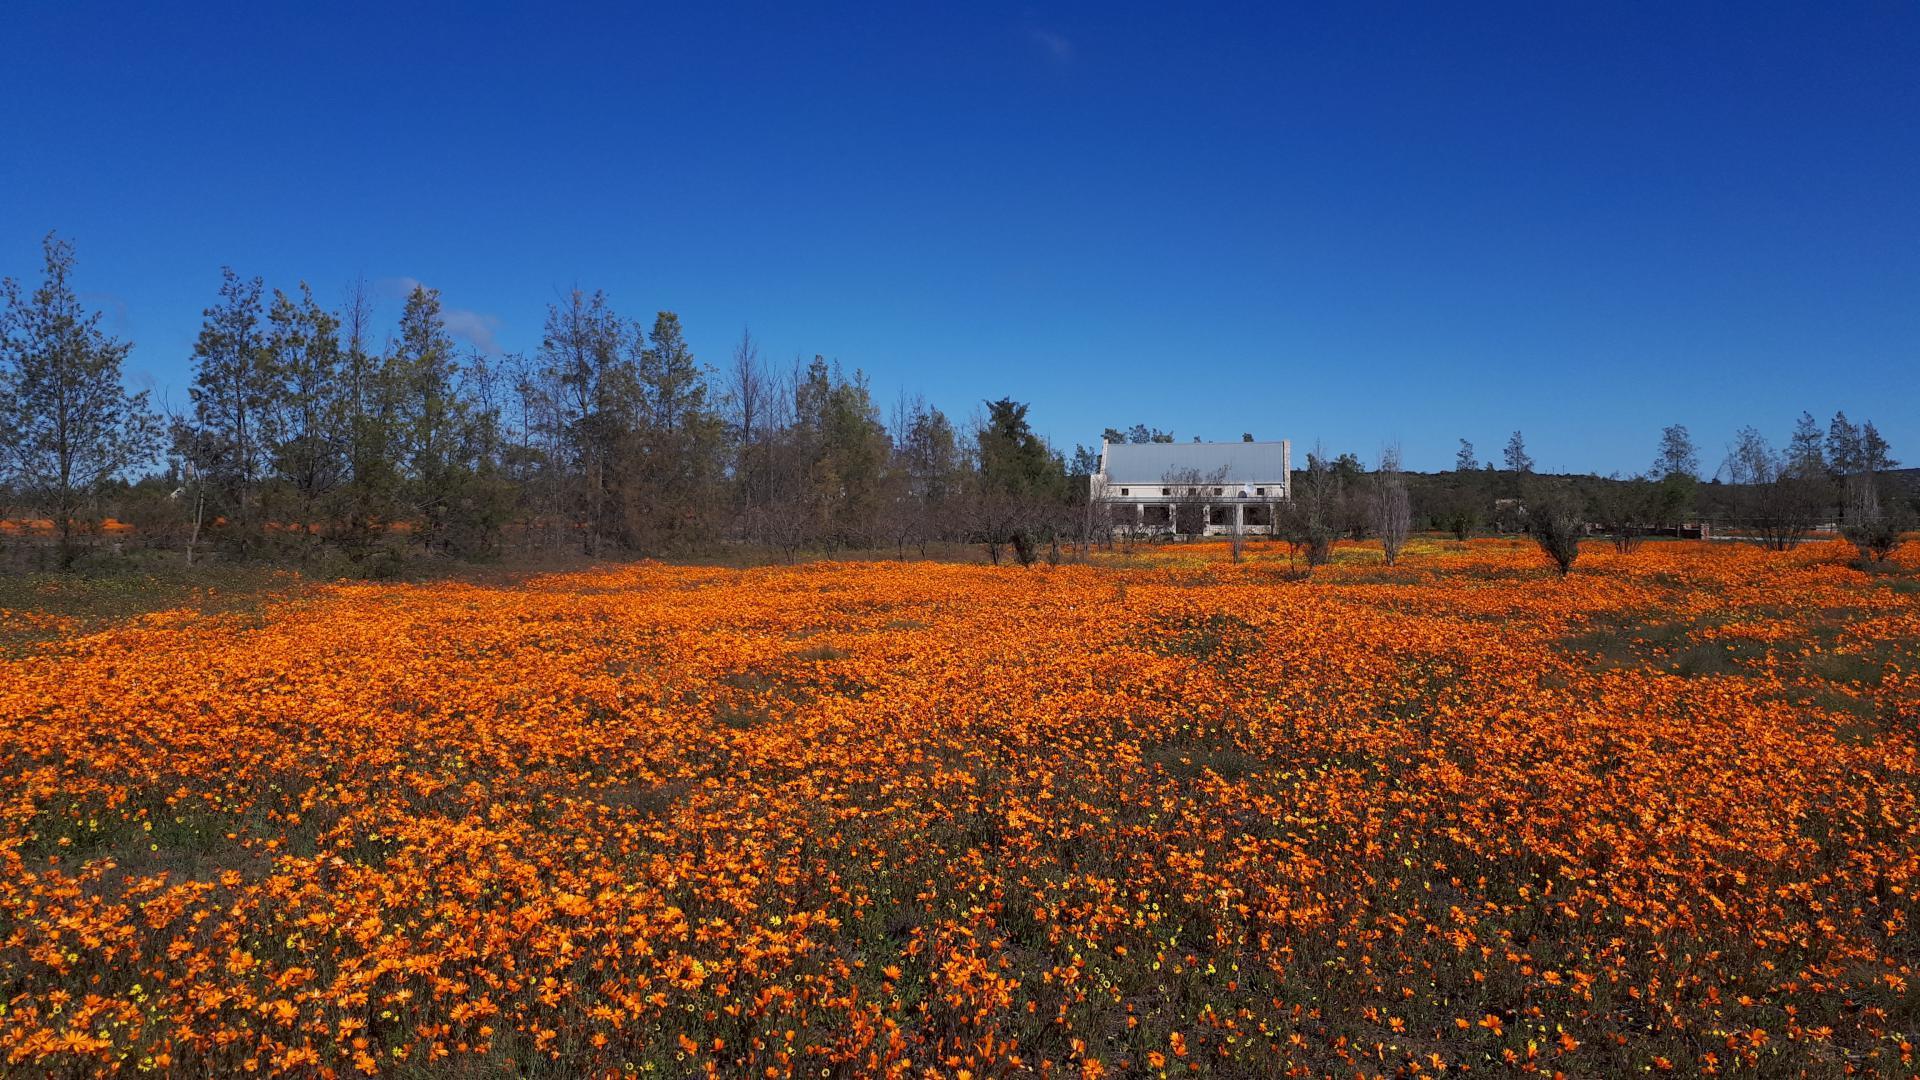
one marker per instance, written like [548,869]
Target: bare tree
[784,524]
[1192,491]
[1237,534]
[1099,516]
[1293,527]
[192,451]
[1774,503]
[1310,521]
[747,392]
[995,518]
[1389,510]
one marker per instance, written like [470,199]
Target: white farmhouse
[1143,483]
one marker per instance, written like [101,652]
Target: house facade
[1210,488]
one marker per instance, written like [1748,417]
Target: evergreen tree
[1677,456]
[1874,456]
[850,473]
[1463,461]
[672,382]
[1806,455]
[1516,455]
[1022,483]
[71,426]
[1844,452]
[672,467]
[1012,457]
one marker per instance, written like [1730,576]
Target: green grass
[104,593]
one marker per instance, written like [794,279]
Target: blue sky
[1354,223]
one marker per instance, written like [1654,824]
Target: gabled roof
[1150,463]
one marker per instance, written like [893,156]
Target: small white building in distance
[1144,485]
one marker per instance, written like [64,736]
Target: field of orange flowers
[1163,814]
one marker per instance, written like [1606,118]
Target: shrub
[1876,534]
[1556,524]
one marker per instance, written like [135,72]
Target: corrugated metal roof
[1150,463]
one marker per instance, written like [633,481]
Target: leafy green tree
[481,493]
[1141,434]
[586,350]
[233,388]
[72,428]
[423,371]
[1671,500]
[304,411]
[931,454]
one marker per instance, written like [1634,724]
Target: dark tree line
[1841,477]
[309,432]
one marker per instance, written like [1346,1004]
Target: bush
[1556,524]
[1876,534]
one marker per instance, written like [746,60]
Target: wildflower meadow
[1163,814]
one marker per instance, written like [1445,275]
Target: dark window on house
[1123,491]
[1166,491]
[1259,491]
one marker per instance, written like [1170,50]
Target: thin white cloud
[1057,46]
[476,328]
